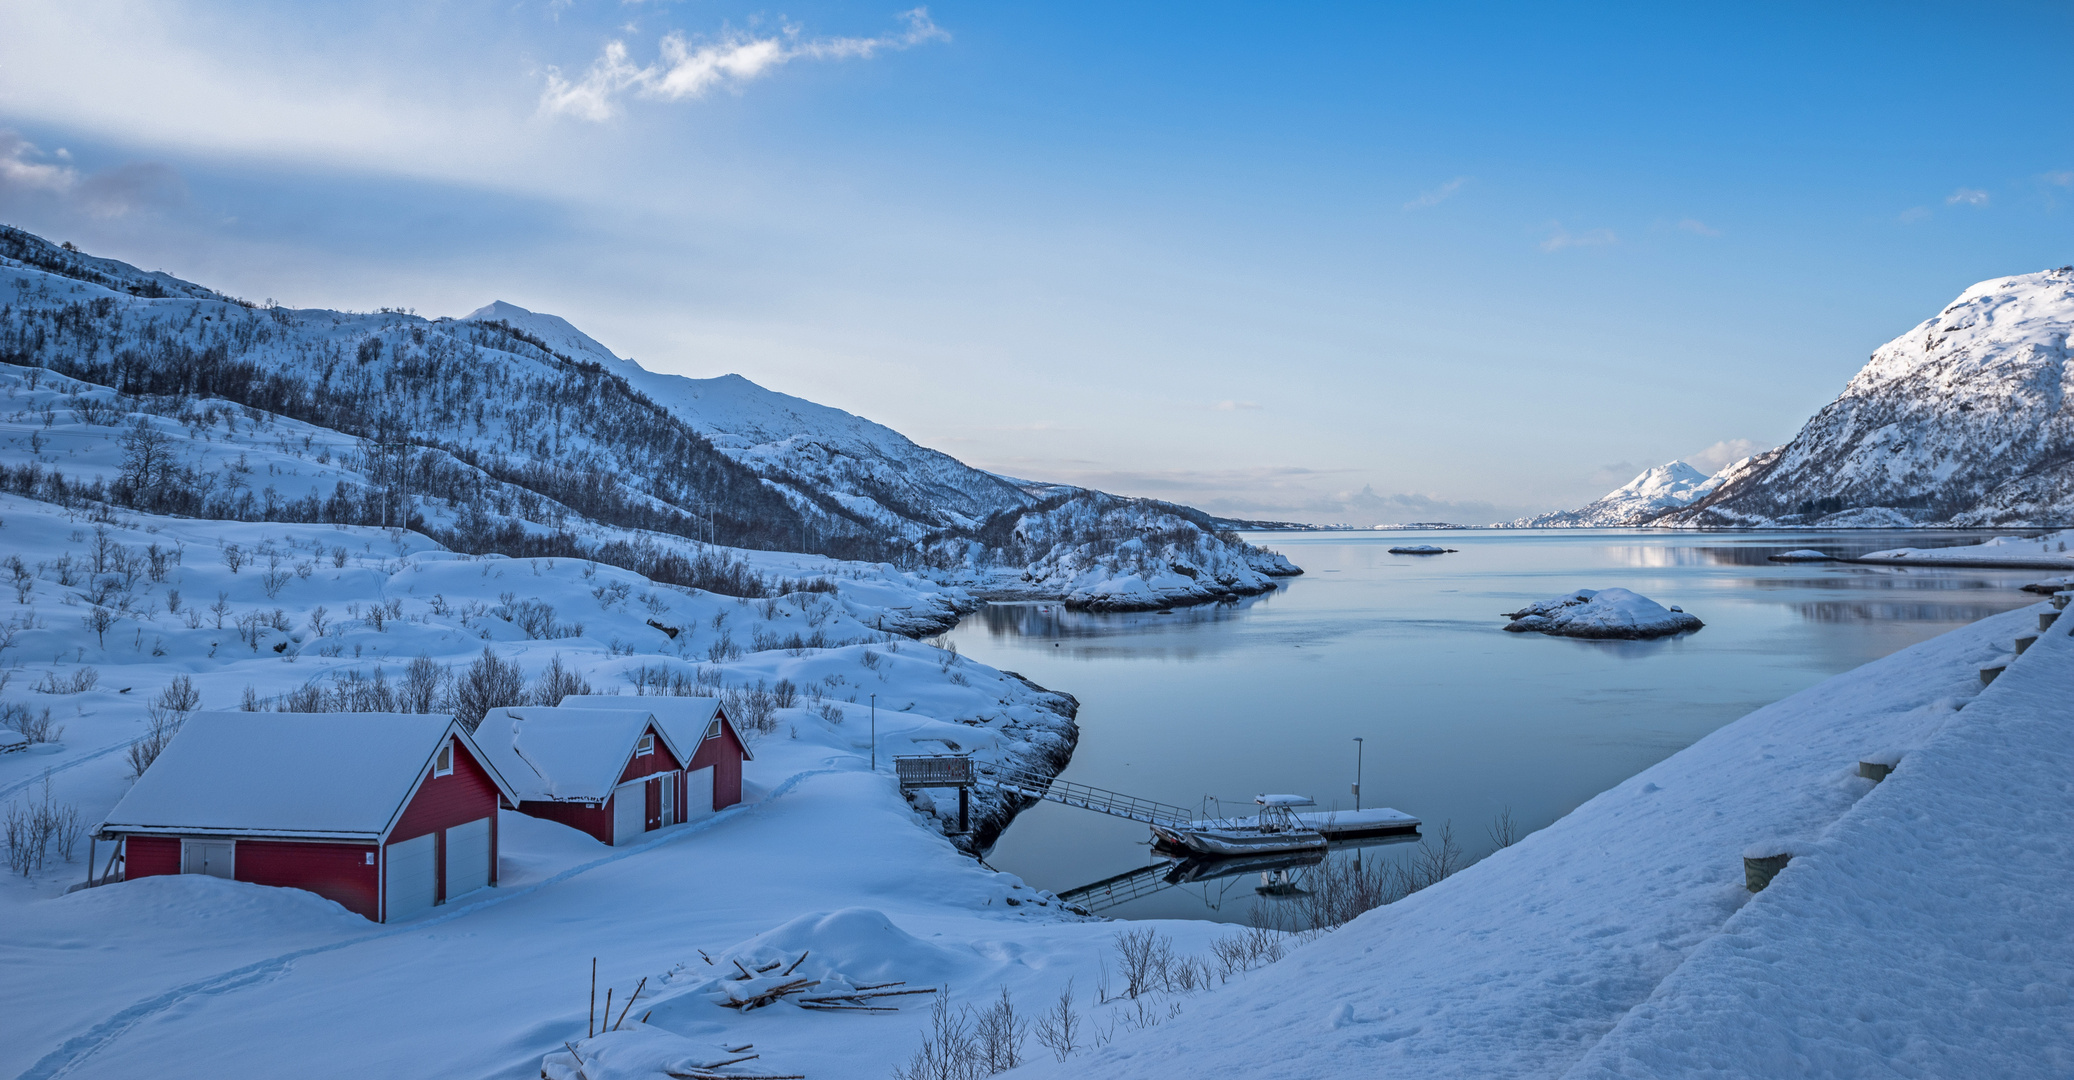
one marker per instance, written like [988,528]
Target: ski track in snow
[79,1048]
[20,786]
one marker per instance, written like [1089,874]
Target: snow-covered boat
[1276,828]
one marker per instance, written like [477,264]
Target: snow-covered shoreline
[1621,940]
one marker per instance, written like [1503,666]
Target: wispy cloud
[1914,214]
[1727,451]
[26,171]
[689,69]
[1438,195]
[1967,196]
[1560,238]
[2064,178]
[1698,227]
[1235,406]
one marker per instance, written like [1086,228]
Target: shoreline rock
[1601,614]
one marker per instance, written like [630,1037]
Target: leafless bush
[752,708]
[99,619]
[164,716]
[723,648]
[38,828]
[233,557]
[870,660]
[1504,831]
[34,725]
[661,680]
[274,580]
[338,557]
[82,680]
[489,683]
[1253,947]
[784,694]
[318,617]
[1060,1028]
[831,712]
[1145,957]
[999,1034]
[556,682]
[962,1045]
[425,682]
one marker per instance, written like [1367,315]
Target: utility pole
[1357,772]
[874,733]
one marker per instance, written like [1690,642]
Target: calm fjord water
[1460,719]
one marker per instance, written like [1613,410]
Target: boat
[1275,828]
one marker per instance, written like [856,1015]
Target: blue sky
[1355,263]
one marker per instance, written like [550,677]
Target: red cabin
[613,768]
[388,814]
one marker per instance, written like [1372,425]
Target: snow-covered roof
[685,719]
[339,776]
[564,754]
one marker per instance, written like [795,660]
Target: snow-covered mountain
[1669,486]
[512,431]
[815,452]
[1964,420]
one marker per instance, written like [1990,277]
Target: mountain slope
[1963,420]
[1666,487]
[872,469]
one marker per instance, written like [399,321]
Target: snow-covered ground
[2048,552]
[1601,613]
[1925,926]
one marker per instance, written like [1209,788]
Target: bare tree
[556,682]
[489,683]
[1059,1028]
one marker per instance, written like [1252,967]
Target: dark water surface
[1460,719]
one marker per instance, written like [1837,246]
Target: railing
[1120,889]
[1100,800]
[933,770]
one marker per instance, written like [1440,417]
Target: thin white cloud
[1727,451]
[1698,227]
[1914,214]
[687,69]
[26,171]
[1967,196]
[1560,238]
[1235,406]
[1438,195]
[2064,178]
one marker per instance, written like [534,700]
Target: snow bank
[1601,613]
[1524,963]
[2048,552]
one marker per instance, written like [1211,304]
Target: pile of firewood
[854,999]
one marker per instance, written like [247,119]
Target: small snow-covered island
[1601,613]
[1421,549]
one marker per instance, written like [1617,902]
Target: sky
[1357,263]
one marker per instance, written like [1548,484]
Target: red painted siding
[442,802]
[150,856]
[338,872]
[724,753]
[596,821]
[650,764]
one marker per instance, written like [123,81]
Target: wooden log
[795,964]
[635,996]
[1874,771]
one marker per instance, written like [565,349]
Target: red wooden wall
[338,872]
[443,802]
[150,856]
[650,764]
[724,753]
[593,820]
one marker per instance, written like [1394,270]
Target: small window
[443,762]
[645,746]
[713,730]
[370,858]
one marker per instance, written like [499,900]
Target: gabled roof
[563,754]
[326,776]
[684,718]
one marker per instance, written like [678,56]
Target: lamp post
[1357,772]
[874,733]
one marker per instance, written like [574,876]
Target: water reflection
[1461,720]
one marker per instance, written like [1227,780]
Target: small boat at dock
[1275,829]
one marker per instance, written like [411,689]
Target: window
[370,858]
[712,730]
[645,746]
[443,762]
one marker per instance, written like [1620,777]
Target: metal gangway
[1100,800]
[1120,888]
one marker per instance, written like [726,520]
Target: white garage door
[698,794]
[467,858]
[629,812]
[413,878]
[212,857]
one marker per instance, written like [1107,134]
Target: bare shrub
[998,1035]
[1504,831]
[556,682]
[233,557]
[489,683]
[752,708]
[1060,1028]
[784,694]
[1145,958]
[948,1050]
[33,724]
[424,684]
[35,829]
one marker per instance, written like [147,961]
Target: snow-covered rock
[1667,487]
[1601,613]
[1421,549]
[1801,555]
[2040,553]
[1961,421]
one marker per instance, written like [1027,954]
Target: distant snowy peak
[1964,420]
[813,451]
[1669,486]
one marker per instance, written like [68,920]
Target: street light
[874,733]
[1357,772]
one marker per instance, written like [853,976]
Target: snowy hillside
[1666,487]
[1961,421]
[815,451]
[512,432]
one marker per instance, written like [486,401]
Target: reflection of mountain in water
[1881,580]
[1756,553]
[1055,622]
[1843,611]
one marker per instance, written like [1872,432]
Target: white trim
[645,745]
[446,750]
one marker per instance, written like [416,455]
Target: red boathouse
[388,814]
[613,768]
